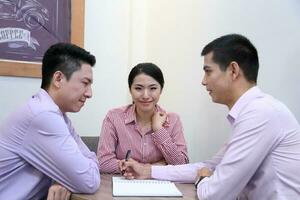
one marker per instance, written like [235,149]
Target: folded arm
[50,148]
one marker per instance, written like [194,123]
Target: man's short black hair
[64,57]
[234,47]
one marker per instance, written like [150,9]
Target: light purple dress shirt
[261,159]
[37,145]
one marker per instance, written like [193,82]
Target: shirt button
[144,143]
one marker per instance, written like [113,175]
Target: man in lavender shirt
[261,159]
[38,144]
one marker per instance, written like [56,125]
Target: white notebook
[124,187]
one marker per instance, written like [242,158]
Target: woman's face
[145,92]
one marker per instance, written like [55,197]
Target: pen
[127,155]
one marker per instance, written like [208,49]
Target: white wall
[107,30]
[176,32]
[171,33]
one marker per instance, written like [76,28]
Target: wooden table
[105,192]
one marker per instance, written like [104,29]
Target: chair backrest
[91,142]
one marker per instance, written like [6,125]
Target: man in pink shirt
[38,144]
[261,158]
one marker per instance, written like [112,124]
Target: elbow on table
[95,187]
[109,168]
[89,188]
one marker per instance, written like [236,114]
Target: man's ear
[57,79]
[234,70]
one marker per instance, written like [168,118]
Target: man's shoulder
[30,109]
[33,109]
[39,104]
[266,107]
[30,115]
[266,103]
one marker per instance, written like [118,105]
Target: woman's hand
[158,120]
[160,162]
[135,170]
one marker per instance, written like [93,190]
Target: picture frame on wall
[29,27]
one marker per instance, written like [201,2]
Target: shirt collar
[130,114]
[247,97]
[47,99]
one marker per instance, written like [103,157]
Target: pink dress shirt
[120,133]
[261,159]
[37,145]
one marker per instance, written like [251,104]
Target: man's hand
[58,192]
[204,171]
[135,170]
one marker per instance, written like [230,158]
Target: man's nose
[203,82]
[89,92]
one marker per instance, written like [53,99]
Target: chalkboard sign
[29,27]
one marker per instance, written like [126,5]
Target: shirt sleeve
[185,173]
[254,135]
[107,148]
[81,145]
[170,141]
[50,148]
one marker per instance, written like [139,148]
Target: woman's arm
[170,141]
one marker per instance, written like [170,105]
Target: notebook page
[124,187]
